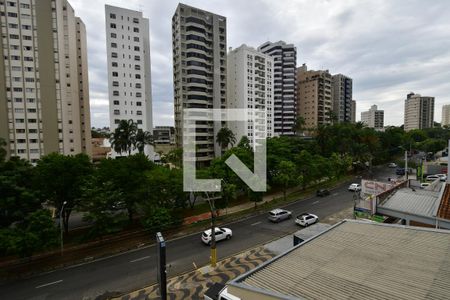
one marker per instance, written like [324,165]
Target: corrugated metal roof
[356,260]
[418,202]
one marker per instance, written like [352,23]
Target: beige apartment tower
[44,95]
[419,112]
[445,115]
[314,96]
[199,74]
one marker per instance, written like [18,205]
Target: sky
[389,48]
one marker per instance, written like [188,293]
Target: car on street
[322,192]
[278,215]
[443,177]
[221,234]
[306,219]
[354,187]
[424,185]
[392,165]
[433,177]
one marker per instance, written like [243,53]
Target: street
[136,269]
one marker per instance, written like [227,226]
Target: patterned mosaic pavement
[192,285]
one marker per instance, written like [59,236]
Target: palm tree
[123,138]
[299,125]
[225,137]
[142,138]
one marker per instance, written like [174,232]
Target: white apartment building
[250,84]
[419,112]
[373,118]
[129,70]
[44,96]
[445,115]
[285,85]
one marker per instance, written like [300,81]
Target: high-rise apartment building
[373,118]
[129,71]
[44,96]
[445,115]
[353,114]
[250,85]
[419,112]
[315,96]
[342,97]
[285,85]
[199,73]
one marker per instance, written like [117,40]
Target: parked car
[306,219]
[322,192]
[278,215]
[392,165]
[354,187]
[433,177]
[221,234]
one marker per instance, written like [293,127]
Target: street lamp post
[213,231]
[61,226]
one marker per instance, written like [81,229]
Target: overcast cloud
[388,47]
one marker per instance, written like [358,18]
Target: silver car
[278,215]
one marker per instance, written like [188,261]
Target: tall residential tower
[199,73]
[419,112]
[373,118]
[250,85]
[342,97]
[445,115]
[44,96]
[129,71]
[285,85]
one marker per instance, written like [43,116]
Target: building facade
[419,112]
[44,96]
[129,71]
[285,85]
[342,97]
[445,115]
[353,114]
[373,118]
[251,85]
[315,97]
[199,74]
[164,135]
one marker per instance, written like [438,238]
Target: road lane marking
[256,223]
[315,202]
[47,284]
[139,259]
[335,194]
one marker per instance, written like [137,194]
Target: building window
[138,95]
[137,67]
[137,76]
[115,83]
[116,112]
[113,45]
[136,48]
[136,39]
[116,102]
[139,122]
[139,113]
[113,35]
[138,85]
[112,16]
[137,58]
[112,25]
[114,54]
[135,20]
[115,74]
[135,29]
[115,93]
[138,103]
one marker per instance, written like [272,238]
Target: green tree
[123,139]
[2,150]
[141,139]
[299,125]
[255,197]
[225,137]
[175,157]
[59,178]
[286,175]
[37,232]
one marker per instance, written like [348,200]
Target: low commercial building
[355,260]
[164,139]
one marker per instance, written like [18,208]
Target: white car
[433,177]
[306,219]
[354,187]
[392,165]
[221,234]
[424,185]
[443,177]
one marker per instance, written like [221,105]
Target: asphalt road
[135,269]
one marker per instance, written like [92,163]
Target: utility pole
[406,165]
[213,231]
[61,227]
